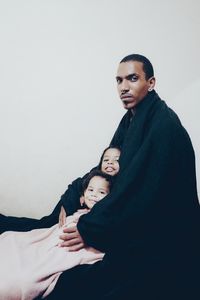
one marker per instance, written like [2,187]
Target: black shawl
[153,209]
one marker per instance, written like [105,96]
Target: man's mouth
[126,97]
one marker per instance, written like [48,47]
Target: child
[69,201]
[35,260]
[109,161]
[109,164]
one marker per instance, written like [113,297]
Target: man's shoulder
[166,117]
[167,124]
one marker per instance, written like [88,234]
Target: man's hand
[72,239]
[62,217]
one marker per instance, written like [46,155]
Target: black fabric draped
[149,224]
[155,194]
[151,218]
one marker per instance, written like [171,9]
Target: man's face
[132,84]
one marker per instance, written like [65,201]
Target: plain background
[58,101]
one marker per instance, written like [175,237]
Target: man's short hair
[147,66]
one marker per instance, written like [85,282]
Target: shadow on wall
[187,106]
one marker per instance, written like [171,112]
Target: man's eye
[133,78]
[119,80]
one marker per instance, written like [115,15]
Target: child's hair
[101,159]
[94,173]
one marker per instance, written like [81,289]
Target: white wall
[58,101]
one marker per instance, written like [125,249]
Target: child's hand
[82,200]
[62,217]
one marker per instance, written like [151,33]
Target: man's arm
[151,199]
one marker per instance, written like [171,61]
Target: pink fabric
[31,262]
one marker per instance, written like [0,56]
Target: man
[148,226]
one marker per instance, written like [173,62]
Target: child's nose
[94,194]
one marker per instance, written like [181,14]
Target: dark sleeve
[151,199]
[70,201]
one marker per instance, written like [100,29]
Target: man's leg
[81,282]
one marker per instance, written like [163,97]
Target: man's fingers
[71,239]
[72,242]
[69,233]
[69,243]
[76,247]
[72,248]
[70,229]
[69,236]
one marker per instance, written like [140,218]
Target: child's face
[97,189]
[110,162]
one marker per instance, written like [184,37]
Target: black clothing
[149,224]
[155,193]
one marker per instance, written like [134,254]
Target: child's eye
[105,160]
[103,193]
[90,190]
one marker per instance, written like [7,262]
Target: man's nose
[124,86]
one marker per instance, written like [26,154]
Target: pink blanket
[31,262]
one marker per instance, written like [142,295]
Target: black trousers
[141,282]
[84,282]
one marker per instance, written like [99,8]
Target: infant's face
[97,189]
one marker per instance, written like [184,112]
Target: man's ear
[82,200]
[152,82]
